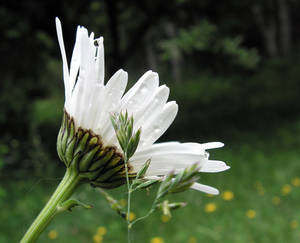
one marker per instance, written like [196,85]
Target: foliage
[260,170]
[204,37]
[232,88]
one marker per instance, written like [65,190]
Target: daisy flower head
[87,141]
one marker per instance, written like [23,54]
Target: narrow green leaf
[144,169]
[146,184]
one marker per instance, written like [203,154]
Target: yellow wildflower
[97,238]
[157,240]
[286,189]
[132,216]
[165,218]
[251,214]
[227,195]
[296,181]
[294,224]
[52,235]
[192,239]
[210,207]
[276,200]
[101,230]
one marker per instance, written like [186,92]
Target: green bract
[83,151]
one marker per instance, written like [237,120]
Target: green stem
[64,190]
[128,198]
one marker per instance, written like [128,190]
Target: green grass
[259,171]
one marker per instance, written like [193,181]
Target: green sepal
[64,139]
[91,175]
[93,141]
[114,161]
[70,151]
[87,159]
[105,175]
[102,161]
[58,144]
[82,143]
[109,184]
[123,175]
[71,131]
[83,151]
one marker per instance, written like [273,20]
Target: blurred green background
[232,66]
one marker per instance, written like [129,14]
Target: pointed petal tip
[58,26]
[173,103]
[205,188]
[155,74]
[122,73]
[213,145]
[214,166]
[215,192]
[220,144]
[57,21]
[147,74]
[100,41]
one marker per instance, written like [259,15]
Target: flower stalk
[63,192]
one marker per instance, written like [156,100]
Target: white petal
[112,97]
[100,61]
[213,166]
[169,148]
[75,61]
[204,188]
[166,157]
[153,107]
[158,123]
[212,145]
[86,80]
[115,87]
[133,89]
[139,94]
[64,59]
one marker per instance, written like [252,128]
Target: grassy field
[259,202]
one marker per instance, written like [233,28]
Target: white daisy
[89,104]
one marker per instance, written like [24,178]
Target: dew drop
[144,90]
[157,129]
